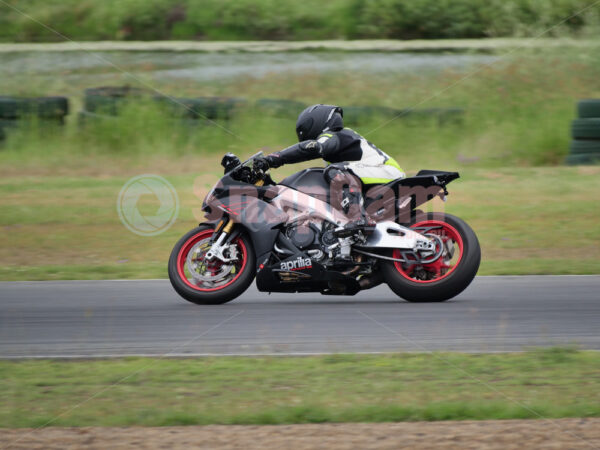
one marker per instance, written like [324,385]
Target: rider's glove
[262,163]
[273,160]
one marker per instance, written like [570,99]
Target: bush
[293,20]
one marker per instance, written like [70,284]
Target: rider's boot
[352,201]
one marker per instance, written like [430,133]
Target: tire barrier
[42,111]
[43,107]
[585,131]
[588,128]
[211,108]
[588,108]
[109,100]
[5,125]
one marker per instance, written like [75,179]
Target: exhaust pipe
[372,281]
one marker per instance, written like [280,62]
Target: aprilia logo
[297,264]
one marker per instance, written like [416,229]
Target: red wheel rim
[182,257]
[442,267]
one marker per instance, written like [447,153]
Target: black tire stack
[105,102]
[108,101]
[202,108]
[585,131]
[45,111]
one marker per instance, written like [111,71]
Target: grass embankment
[59,190]
[518,112]
[337,388]
[292,20]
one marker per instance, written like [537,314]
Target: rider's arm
[305,151]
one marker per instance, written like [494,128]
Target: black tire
[585,148]
[586,128]
[216,297]
[43,107]
[449,286]
[110,99]
[588,108]
[9,107]
[5,126]
[6,123]
[583,159]
[49,107]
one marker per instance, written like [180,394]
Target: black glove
[261,163]
[275,160]
[270,161]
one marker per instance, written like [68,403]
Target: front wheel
[417,280]
[210,282]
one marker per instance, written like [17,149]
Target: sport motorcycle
[297,236]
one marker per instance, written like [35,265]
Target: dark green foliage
[293,20]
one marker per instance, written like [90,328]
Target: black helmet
[318,118]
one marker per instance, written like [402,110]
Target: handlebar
[245,171]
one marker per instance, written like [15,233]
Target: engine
[322,243]
[303,236]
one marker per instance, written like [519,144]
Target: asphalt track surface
[146,317]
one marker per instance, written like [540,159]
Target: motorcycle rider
[321,134]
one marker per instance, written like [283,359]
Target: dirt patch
[499,434]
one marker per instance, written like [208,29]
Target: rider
[321,134]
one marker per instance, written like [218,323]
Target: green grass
[310,19]
[518,112]
[553,383]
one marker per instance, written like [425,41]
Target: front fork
[220,245]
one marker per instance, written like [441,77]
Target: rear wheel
[419,279]
[210,282]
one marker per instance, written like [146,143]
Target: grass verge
[558,382]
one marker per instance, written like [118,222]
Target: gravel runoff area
[282,46]
[490,434]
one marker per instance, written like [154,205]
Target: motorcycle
[294,236]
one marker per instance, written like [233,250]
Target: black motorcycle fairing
[309,181]
[248,205]
[297,272]
[304,275]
